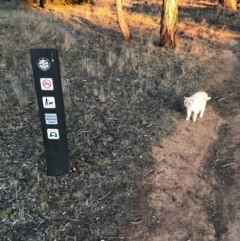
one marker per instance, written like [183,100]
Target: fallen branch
[136,222]
[233,163]
[227,96]
[101,198]
[113,238]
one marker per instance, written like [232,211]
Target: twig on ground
[233,163]
[108,118]
[101,198]
[113,238]
[215,212]
[227,96]
[136,222]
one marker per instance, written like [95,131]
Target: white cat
[196,104]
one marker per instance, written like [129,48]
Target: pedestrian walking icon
[49,102]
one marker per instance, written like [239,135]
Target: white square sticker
[53,134]
[51,119]
[46,83]
[49,102]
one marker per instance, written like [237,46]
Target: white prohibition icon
[43,64]
[51,119]
[53,134]
[46,83]
[49,102]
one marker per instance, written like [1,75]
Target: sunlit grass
[45,27]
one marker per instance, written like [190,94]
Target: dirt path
[195,181]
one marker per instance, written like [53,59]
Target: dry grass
[119,97]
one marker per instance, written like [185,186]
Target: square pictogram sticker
[49,102]
[53,134]
[46,84]
[51,118]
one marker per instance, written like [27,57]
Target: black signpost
[46,70]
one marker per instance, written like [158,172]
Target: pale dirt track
[195,183]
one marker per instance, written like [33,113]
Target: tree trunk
[42,2]
[169,23]
[121,21]
[230,4]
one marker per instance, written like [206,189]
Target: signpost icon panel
[47,78]
[43,64]
[51,119]
[46,84]
[53,134]
[49,102]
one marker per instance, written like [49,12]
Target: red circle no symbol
[46,83]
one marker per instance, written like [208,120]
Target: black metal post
[46,70]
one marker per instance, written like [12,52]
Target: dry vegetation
[119,99]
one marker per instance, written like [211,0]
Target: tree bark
[121,21]
[230,4]
[169,23]
[42,2]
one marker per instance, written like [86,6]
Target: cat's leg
[202,111]
[195,114]
[189,112]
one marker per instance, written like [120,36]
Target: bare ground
[113,116]
[195,190]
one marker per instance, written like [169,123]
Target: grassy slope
[119,98]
